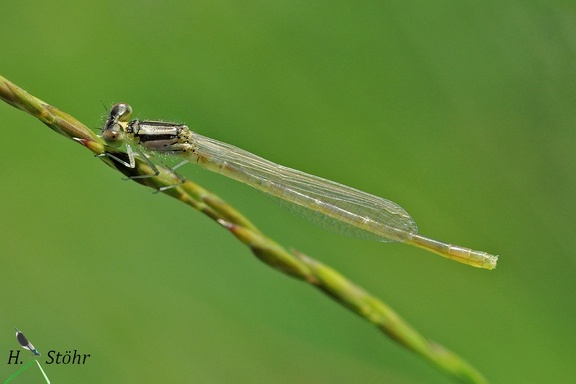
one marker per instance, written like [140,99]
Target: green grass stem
[293,263]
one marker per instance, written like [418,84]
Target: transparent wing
[329,204]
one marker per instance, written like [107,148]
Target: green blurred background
[462,113]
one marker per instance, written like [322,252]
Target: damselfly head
[113,131]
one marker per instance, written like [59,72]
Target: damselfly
[331,204]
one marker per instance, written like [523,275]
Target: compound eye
[113,136]
[121,112]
